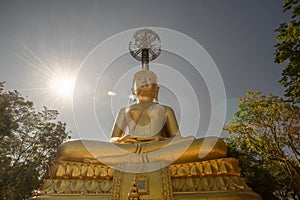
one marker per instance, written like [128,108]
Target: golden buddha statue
[153,134]
[144,133]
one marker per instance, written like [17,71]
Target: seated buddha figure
[144,132]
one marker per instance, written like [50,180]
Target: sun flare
[62,86]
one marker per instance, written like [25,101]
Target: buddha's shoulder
[129,108]
[168,109]
[138,107]
[123,109]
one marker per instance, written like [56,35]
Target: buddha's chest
[145,117]
[147,121]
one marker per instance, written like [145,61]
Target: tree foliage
[288,50]
[265,136]
[28,140]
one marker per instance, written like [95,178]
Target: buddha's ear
[133,90]
[157,89]
[156,93]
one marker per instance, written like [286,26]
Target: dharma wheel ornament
[145,46]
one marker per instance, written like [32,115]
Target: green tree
[28,141]
[288,50]
[257,176]
[265,136]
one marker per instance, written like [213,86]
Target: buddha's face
[145,87]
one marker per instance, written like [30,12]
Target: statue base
[213,179]
[150,185]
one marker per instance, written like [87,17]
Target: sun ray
[33,88]
[33,65]
[37,58]
[70,57]
[54,101]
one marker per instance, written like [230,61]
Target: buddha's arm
[171,123]
[118,132]
[119,127]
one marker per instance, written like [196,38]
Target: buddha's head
[144,85]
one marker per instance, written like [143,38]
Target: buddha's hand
[149,139]
[135,139]
[125,139]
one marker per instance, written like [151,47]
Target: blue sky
[239,35]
